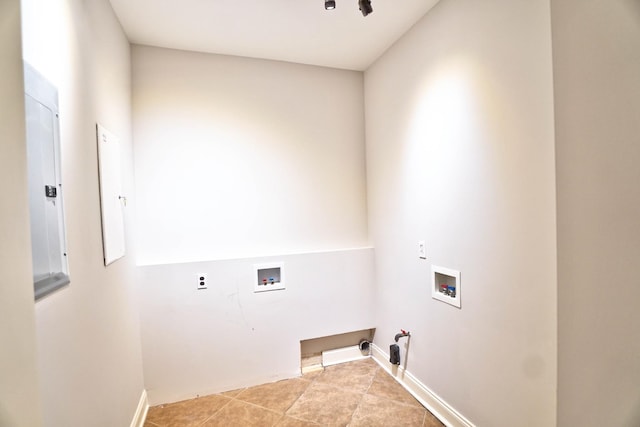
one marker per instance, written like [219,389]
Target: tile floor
[353,394]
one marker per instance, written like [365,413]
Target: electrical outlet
[422,250]
[202,281]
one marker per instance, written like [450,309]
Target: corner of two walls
[89,354]
[238,162]
[19,400]
[460,154]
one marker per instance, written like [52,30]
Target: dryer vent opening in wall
[269,277]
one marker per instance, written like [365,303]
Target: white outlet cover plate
[202,277]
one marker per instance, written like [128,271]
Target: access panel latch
[50,191]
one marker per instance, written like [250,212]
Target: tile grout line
[231,399]
[373,375]
[399,402]
[294,402]
[255,406]
[346,389]
[235,397]
[284,413]
[298,398]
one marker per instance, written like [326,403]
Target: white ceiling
[287,30]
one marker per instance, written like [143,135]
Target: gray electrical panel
[48,242]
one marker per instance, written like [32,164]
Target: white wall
[19,400]
[597,97]
[460,153]
[89,355]
[198,342]
[238,157]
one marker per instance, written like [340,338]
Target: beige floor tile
[242,414]
[431,421]
[292,422]
[325,404]
[379,412]
[385,386]
[186,413]
[233,393]
[278,396]
[356,394]
[311,376]
[354,376]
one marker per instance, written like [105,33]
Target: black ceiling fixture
[364,5]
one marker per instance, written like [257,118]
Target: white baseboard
[434,403]
[342,355]
[141,412]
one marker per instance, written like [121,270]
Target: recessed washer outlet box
[445,285]
[269,277]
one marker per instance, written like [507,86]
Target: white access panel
[112,200]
